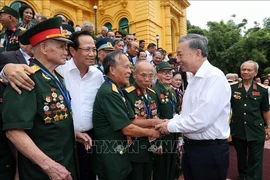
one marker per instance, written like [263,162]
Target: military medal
[54,95]
[162,100]
[237,95]
[60,97]
[48,120]
[53,106]
[61,116]
[46,108]
[62,106]
[58,104]
[254,93]
[56,118]
[48,99]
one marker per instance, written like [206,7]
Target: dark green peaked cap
[163,66]
[48,29]
[10,11]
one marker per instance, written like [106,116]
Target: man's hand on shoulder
[17,77]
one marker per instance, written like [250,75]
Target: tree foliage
[230,43]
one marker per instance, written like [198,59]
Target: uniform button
[245,113]
[245,122]
[245,104]
[121,152]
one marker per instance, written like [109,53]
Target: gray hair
[87,24]
[256,65]
[139,62]
[196,41]
[229,75]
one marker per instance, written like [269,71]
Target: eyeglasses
[166,72]
[87,49]
[144,76]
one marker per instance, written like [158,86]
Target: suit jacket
[15,57]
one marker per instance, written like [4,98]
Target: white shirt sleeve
[210,99]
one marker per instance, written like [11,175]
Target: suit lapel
[20,57]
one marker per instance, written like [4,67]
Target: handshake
[160,128]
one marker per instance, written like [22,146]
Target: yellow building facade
[146,18]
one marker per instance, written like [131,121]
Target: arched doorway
[109,26]
[123,25]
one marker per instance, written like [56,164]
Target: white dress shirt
[82,91]
[149,57]
[206,106]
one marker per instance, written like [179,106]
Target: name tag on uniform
[255,93]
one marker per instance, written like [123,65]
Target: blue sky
[199,12]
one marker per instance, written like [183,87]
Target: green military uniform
[164,167]
[2,41]
[111,113]
[247,127]
[7,161]
[141,156]
[11,35]
[45,116]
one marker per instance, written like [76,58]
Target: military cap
[118,34]
[10,11]
[48,29]
[163,66]
[105,44]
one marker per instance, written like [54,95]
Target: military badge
[46,77]
[56,117]
[255,93]
[47,120]
[237,95]
[138,91]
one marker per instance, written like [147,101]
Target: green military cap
[163,66]
[105,44]
[48,29]
[10,11]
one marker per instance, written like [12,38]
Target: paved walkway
[267,146]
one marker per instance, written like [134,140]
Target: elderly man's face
[110,35]
[144,75]
[248,71]
[133,49]
[122,71]
[5,19]
[129,38]
[56,51]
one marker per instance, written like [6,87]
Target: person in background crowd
[128,39]
[177,86]
[39,18]
[250,111]
[27,14]
[141,55]
[9,20]
[142,44]
[257,79]
[88,26]
[43,133]
[170,55]
[111,35]
[104,46]
[78,28]
[118,44]
[205,134]
[151,48]
[156,59]
[111,120]
[172,63]
[118,34]
[132,51]
[230,77]
[104,31]
[266,82]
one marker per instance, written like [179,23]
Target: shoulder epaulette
[130,89]
[35,68]
[233,83]
[22,29]
[114,88]
[262,85]
[151,90]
